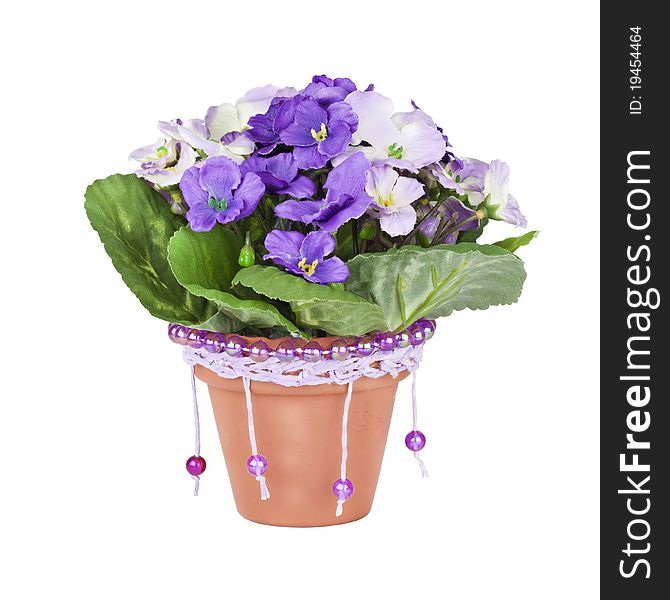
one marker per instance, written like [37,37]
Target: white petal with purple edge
[406,191]
[400,222]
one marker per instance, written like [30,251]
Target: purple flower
[215,191]
[326,91]
[346,198]
[280,175]
[454,207]
[304,255]
[265,128]
[319,134]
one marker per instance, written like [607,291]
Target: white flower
[392,197]
[167,175]
[404,140]
[196,134]
[227,117]
[500,204]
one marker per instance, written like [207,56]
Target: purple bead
[415,440]
[403,339]
[343,490]
[386,341]
[194,338]
[428,327]
[339,350]
[365,346]
[196,465]
[259,351]
[312,351]
[178,333]
[287,350]
[257,464]
[416,335]
[234,345]
[213,341]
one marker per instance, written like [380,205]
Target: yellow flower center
[320,135]
[385,202]
[162,151]
[308,269]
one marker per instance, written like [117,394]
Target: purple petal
[348,177]
[283,167]
[332,270]
[298,135]
[249,193]
[316,245]
[345,83]
[310,157]
[253,164]
[342,111]
[289,263]
[329,95]
[298,210]
[201,217]
[191,189]
[454,206]
[219,176]
[512,213]
[271,182]
[339,136]
[301,187]
[286,243]
[342,210]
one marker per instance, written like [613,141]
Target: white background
[95,418]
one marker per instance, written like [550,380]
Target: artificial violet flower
[456,210]
[280,175]
[500,204]
[194,132]
[392,199]
[304,255]
[215,191]
[159,154]
[319,134]
[165,162]
[464,176]
[405,140]
[226,117]
[326,91]
[346,198]
[265,128]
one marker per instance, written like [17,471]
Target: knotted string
[265,493]
[345,451]
[424,471]
[196,416]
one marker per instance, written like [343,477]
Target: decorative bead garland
[307,364]
[291,349]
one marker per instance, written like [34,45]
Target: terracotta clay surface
[298,430]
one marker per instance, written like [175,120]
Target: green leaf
[205,264]
[135,224]
[335,311]
[471,235]
[413,282]
[514,243]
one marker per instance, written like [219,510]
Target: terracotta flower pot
[298,429]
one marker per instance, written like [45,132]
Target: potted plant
[301,245]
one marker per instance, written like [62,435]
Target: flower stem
[449,230]
[354,236]
[416,227]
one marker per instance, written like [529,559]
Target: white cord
[424,471]
[265,493]
[345,441]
